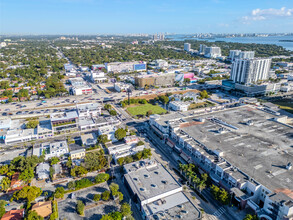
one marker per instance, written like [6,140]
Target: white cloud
[264,14]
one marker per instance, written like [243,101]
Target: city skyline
[117,17]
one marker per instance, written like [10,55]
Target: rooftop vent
[142,189]
[184,211]
[154,185]
[156,172]
[289,166]
[146,176]
[181,206]
[164,182]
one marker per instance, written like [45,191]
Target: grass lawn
[143,109]
[285,104]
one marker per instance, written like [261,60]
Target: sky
[145,16]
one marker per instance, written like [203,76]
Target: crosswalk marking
[217,214]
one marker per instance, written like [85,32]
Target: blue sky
[145,16]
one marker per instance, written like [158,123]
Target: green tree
[120,133]
[251,217]
[29,193]
[120,161]
[186,81]
[3,169]
[32,124]
[52,172]
[27,175]
[95,160]
[116,216]
[108,107]
[78,171]
[2,207]
[120,196]
[149,113]
[164,99]
[71,185]
[54,160]
[114,189]
[125,209]
[106,195]
[33,215]
[113,112]
[103,138]
[106,217]
[140,143]
[69,162]
[80,207]
[204,94]
[5,184]
[102,177]
[59,192]
[97,197]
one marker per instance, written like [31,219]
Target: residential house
[43,171]
[15,181]
[13,215]
[44,209]
[77,154]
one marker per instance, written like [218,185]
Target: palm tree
[185,168]
[201,186]
[190,174]
[181,166]
[195,181]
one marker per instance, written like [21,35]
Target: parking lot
[67,207]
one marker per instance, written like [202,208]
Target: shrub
[80,207]
[97,197]
[106,195]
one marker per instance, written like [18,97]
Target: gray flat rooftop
[261,150]
[148,179]
[83,121]
[176,206]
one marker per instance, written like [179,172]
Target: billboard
[140,66]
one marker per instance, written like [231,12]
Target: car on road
[4,113]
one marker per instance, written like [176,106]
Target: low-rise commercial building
[118,67]
[122,87]
[179,106]
[51,149]
[162,79]
[229,145]
[156,191]
[98,77]
[109,131]
[89,109]
[123,150]
[64,121]
[23,135]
